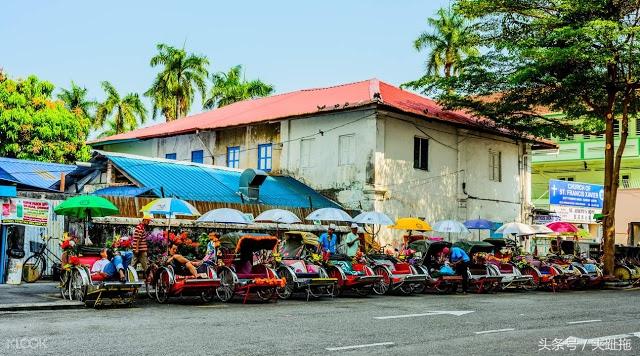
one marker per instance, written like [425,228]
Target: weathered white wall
[142,148]
[183,145]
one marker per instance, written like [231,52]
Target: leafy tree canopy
[230,87]
[34,126]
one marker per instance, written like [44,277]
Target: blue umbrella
[478,224]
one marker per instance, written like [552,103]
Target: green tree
[34,126]
[121,114]
[578,57]
[173,89]
[75,99]
[230,87]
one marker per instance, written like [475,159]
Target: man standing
[351,243]
[328,240]
[140,243]
[460,261]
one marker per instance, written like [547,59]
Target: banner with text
[25,212]
[574,214]
[568,193]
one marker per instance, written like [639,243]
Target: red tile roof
[306,102]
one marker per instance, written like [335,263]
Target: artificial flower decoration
[74,260]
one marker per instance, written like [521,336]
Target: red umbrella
[562,227]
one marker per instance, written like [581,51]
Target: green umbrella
[84,206]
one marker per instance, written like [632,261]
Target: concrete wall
[626,212]
[183,145]
[142,148]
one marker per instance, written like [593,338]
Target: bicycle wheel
[33,268]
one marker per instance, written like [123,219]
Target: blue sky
[290,44]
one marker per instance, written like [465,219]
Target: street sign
[576,194]
[575,214]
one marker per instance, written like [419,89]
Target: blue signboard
[575,194]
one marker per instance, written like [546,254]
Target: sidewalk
[34,296]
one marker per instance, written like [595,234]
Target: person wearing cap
[140,243]
[351,243]
[460,262]
[328,240]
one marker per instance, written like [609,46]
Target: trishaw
[590,273]
[627,267]
[301,271]
[427,263]
[92,288]
[169,283]
[512,277]
[397,274]
[247,267]
[483,276]
[546,274]
[353,274]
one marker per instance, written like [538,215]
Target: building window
[495,166]
[421,153]
[233,156]
[170,156]
[567,179]
[346,149]
[305,152]
[264,157]
[197,156]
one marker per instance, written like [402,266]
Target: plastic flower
[74,260]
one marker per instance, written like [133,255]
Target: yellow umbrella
[413,224]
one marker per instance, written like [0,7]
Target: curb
[42,306]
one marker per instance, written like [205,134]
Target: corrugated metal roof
[122,191]
[193,181]
[42,175]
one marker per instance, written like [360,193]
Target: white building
[368,145]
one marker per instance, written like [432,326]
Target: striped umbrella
[170,207]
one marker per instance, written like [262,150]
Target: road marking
[429,313]
[493,331]
[211,306]
[358,346]
[584,321]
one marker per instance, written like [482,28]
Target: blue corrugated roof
[122,191]
[192,181]
[34,174]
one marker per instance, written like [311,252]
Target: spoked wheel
[337,288]
[286,291]
[362,291]
[226,289]
[419,288]
[531,285]
[622,273]
[150,281]
[207,295]
[64,284]
[77,288]
[382,286]
[163,285]
[265,294]
[33,268]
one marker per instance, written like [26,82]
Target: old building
[368,145]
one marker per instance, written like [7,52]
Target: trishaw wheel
[163,284]
[337,288]
[64,284]
[622,273]
[77,288]
[406,289]
[286,291]
[149,281]
[362,291]
[531,285]
[382,286]
[207,295]
[226,289]
[265,294]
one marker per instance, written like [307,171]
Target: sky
[291,44]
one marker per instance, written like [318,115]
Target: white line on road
[584,321]
[430,313]
[493,331]
[358,346]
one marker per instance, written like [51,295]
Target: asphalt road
[496,324]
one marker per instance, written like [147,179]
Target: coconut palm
[121,114]
[452,39]
[75,100]
[230,87]
[173,89]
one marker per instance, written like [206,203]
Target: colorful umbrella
[413,224]
[541,229]
[373,218]
[224,216]
[329,214]
[562,227]
[450,226]
[170,207]
[478,224]
[516,228]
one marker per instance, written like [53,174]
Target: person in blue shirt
[328,240]
[460,262]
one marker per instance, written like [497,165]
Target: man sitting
[111,264]
[181,265]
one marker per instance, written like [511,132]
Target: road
[496,324]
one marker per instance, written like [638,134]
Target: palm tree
[172,91]
[230,87]
[75,100]
[121,114]
[452,39]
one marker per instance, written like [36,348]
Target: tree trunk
[608,209]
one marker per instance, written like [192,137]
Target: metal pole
[3,253]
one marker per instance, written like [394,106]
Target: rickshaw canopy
[244,242]
[471,247]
